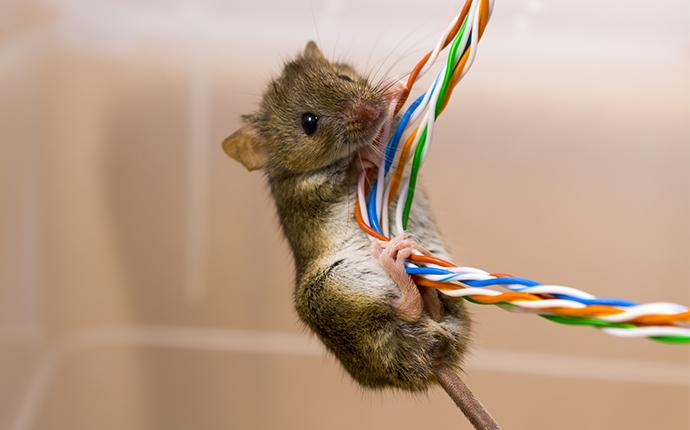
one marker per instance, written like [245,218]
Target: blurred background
[143,280]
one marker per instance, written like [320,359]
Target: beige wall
[143,281]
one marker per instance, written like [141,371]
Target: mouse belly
[347,301]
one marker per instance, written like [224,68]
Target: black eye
[309,123]
[345,78]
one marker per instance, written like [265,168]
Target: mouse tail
[463,397]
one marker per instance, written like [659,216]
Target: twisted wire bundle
[380,188]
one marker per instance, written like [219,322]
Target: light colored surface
[143,281]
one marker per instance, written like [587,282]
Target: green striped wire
[417,160]
[591,322]
[598,323]
[416,164]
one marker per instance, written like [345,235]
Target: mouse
[319,123]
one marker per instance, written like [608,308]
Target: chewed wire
[393,184]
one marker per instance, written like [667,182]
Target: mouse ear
[247,147]
[312,51]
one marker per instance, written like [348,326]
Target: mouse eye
[345,78]
[309,123]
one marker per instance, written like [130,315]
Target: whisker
[406,38]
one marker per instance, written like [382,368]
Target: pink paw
[392,256]
[412,301]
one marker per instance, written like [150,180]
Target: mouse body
[315,122]
[345,295]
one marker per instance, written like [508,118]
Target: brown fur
[342,293]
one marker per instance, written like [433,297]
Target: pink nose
[365,112]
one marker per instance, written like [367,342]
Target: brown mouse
[315,122]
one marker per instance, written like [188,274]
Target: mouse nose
[366,112]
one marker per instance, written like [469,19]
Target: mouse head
[314,114]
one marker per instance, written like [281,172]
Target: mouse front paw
[392,256]
[413,300]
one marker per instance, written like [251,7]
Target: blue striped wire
[527,283]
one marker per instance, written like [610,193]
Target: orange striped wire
[368,230]
[397,176]
[483,21]
[662,319]
[415,72]
[588,311]
[405,153]
[599,310]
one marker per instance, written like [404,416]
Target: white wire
[648,331]
[399,207]
[465,277]
[463,41]
[404,190]
[535,306]
[548,303]
[428,103]
[437,49]
[362,200]
[458,278]
[557,289]
[470,292]
[474,30]
[460,270]
[381,205]
[473,46]
[423,104]
[382,190]
[645,309]
[426,112]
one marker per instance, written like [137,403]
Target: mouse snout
[365,112]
